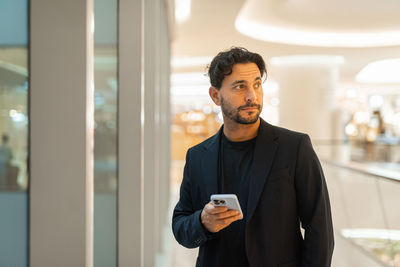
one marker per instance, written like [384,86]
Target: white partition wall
[165,122]
[144,145]
[156,155]
[130,136]
[61,133]
[151,127]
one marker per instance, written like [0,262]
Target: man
[274,172]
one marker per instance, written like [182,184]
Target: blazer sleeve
[313,207]
[186,222]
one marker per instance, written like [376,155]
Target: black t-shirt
[236,159]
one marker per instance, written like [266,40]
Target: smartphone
[227,200]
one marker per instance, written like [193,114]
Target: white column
[150,167]
[143,130]
[164,137]
[61,133]
[308,94]
[130,127]
[157,117]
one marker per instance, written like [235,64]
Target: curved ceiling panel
[381,71]
[339,23]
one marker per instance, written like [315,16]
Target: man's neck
[237,132]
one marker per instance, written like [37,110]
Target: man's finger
[227,214]
[229,220]
[215,210]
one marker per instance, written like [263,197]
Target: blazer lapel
[209,164]
[264,152]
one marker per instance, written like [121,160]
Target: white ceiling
[327,15]
[211,29]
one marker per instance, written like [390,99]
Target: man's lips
[249,109]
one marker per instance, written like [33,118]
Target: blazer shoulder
[204,145]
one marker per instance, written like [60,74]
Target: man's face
[241,94]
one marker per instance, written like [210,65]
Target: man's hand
[215,219]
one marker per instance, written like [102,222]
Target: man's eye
[257,85]
[239,86]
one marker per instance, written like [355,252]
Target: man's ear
[215,96]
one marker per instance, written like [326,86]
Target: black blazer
[287,188]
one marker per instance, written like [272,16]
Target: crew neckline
[237,143]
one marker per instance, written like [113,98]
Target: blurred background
[333,72]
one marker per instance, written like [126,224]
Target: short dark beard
[234,115]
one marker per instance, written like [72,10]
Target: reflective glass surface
[13,132]
[105,135]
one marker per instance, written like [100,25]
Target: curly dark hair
[222,64]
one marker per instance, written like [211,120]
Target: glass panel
[105,143]
[366,174]
[13,132]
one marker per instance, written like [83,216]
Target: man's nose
[251,95]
